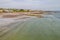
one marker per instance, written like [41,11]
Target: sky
[31,4]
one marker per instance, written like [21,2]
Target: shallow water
[57,15]
[47,28]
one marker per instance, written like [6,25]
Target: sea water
[47,28]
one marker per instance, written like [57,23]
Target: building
[1,11]
[7,11]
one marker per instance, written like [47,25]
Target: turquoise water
[47,28]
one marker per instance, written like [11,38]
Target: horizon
[31,9]
[46,5]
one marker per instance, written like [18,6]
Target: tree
[28,10]
[21,10]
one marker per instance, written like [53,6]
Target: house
[1,11]
[8,11]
